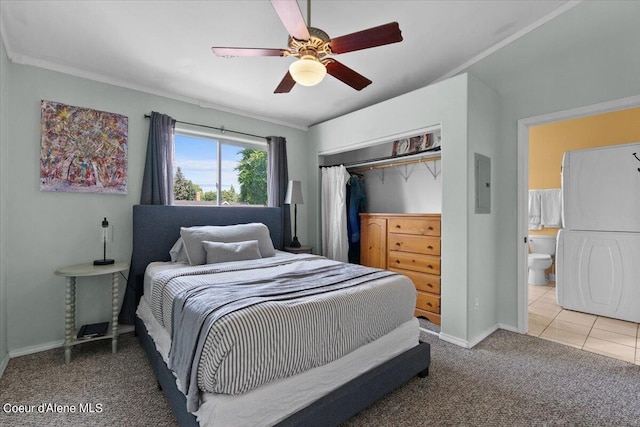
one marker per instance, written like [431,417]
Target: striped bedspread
[272,318]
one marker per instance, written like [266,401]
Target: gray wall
[484,228]
[4,81]
[387,189]
[47,230]
[588,55]
[445,103]
[388,192]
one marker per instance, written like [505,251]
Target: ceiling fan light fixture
[307,71]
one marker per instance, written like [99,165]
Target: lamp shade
[294,193]
[307,71]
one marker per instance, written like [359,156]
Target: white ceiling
[164,47]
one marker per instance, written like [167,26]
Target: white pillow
[178,253]
[194,236]
[236,251]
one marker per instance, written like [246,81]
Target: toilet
[541,248]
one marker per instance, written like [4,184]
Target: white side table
[85,270]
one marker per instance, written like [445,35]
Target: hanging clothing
[356,204]
[335,243]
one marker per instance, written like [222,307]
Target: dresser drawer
[428,302]
[422,281]
[418,226]
[414,262]
[413,243]
[432,317]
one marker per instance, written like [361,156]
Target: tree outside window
[240,172]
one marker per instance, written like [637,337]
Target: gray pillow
[236,251]
[178,253]
[194,236]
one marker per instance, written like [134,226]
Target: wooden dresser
[408,244]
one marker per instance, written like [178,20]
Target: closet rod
[222,129]
[386,160]
[393,164]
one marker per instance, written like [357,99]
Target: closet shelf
[387,163]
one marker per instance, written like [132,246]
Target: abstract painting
[82,150]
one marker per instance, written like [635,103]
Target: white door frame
[523,183]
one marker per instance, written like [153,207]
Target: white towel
[534,210]
[551,207]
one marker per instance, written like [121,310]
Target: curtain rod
[360,163]
[222,129]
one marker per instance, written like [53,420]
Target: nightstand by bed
[301,250]
[87,270]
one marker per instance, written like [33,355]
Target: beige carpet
[122,384]
[507,380]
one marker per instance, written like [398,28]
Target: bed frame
[155,230]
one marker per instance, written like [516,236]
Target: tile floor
[610,337]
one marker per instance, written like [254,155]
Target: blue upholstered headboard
[156,229]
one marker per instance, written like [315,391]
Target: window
[209,170]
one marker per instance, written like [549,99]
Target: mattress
[273,402]
[317,329]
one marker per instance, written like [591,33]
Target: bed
[324,395]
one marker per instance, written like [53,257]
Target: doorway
[524,127]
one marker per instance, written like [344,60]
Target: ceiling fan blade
[347,75]
[246,51]
[286,84]
[291,17]
[376,36]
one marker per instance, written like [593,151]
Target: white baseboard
[483,335]
[36,348]
[122,329]
[454,340]
[468,343]
[509,328]
[429,331]
[4,363]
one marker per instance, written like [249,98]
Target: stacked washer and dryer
[598,251]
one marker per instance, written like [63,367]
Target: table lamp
[106,233]
[294,197]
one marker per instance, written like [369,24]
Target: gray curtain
[157,189]
[157,181]
[277,181]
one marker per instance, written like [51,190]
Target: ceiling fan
[315,48]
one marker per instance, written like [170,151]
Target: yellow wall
[547,144]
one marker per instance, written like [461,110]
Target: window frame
[214,136]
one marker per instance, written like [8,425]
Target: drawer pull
[398,226]
[429,285]
[430,228]
[429,266]
[429,304]
[429,247]
[398,244]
